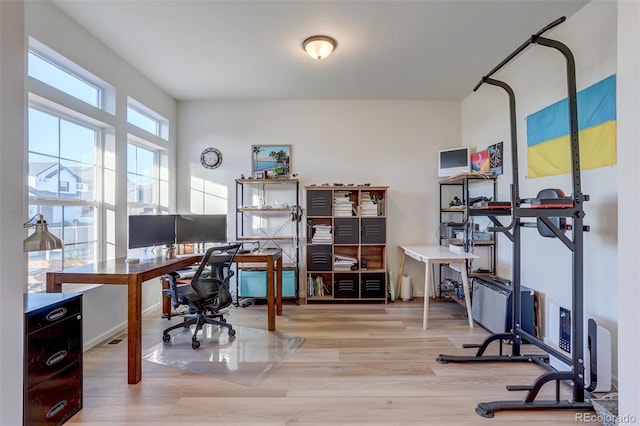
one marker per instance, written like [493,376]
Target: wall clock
[211,158]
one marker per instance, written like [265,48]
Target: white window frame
[97,202]
[106,92]
[161,123]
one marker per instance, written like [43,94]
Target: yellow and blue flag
[548,142]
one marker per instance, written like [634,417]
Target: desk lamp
[41,239]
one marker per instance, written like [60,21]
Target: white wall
[390,143]
[12,209]
[629,205]
[538,78]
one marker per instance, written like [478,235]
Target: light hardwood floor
[370,364]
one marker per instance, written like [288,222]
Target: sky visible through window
[62,80]
[142,120]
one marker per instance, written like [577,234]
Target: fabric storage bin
[254,283]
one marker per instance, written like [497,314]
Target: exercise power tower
[552,211]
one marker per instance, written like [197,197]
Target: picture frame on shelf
[495,158]
[480,162]
[271,161]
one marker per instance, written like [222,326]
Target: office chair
[206,295]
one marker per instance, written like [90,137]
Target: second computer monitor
[151,230]
[201,228]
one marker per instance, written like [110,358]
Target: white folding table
[432,254]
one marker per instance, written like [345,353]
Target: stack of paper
[343,263]
[321,234]
[342,205]
[368,206]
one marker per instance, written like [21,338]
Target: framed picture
[480,162]
[495,158]
[271,161]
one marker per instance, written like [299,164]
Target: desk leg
[279,286]
[427,283]
[467,297]
[52,285]
[166,300]
[134,328]
[400,273]
[271,309]
[433,281]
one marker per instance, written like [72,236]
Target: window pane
[132,181]
[144,190]
[140,189]
[80,235]
[131,158]
[79,224]
[41,262]
[163,196]
[43,133]
[62,80]
[144,121]
[146,163]
[78,179]
[38,264]
[75,225]
[77,142]
[43,176]
[142,177]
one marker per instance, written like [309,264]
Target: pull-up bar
[523,46]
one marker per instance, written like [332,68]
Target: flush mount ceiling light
[319,47]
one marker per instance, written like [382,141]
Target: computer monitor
[151,230]
[453,161]
[201,228]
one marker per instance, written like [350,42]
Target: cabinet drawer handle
[56,314]
[56,408]
[56,358]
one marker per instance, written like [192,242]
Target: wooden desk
[118,272]
[435,254]
[273,260]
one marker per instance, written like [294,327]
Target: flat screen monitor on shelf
[201,228]
[151,230]
[454,161]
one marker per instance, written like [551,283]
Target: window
[63,175]
[75,134]
[53,75]
[143,121]
[147,119]
[147,188]
[142,178]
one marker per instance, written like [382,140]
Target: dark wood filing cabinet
[53,357]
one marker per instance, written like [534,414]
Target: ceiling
[236,49]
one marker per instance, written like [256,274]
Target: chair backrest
[220,264]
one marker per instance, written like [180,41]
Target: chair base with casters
[206,296]
[199,320]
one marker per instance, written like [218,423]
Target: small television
[151,230]
[454,161]
[201,228]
